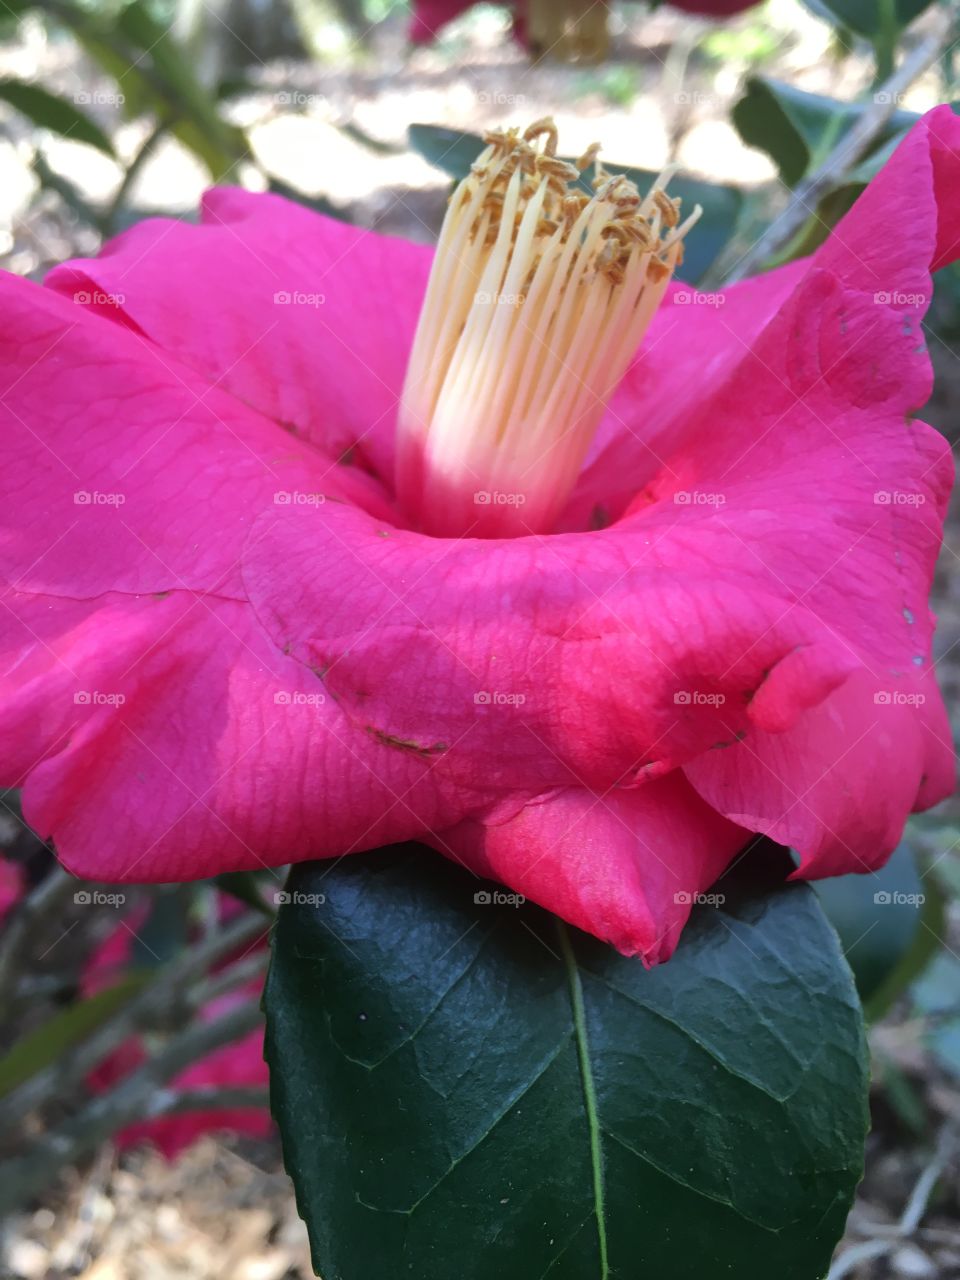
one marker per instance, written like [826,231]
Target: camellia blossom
[227,641]
[566,29]
[548,24]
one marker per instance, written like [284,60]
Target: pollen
[544,282]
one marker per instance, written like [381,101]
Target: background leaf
[42,1047]
[57,114]
[792,126]
[864,17]
[451,1077]
[889,923]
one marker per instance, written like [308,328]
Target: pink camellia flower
[237,1065]
[429,17]
[232,637]
[564,28]
[11,885]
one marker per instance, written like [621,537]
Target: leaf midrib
[589,1092]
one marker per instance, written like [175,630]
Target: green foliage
[618,85]
[58,114]
[889,923]
[866,17]
[47,1044]
[796,128]
[471,1089]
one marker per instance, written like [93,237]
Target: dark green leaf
[794,127]
[156,76]
[42,1047]
[865,17]
[454,152]
[470,1089]
[56,114]
[889,923]
[200,125]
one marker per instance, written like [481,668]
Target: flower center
[538,298]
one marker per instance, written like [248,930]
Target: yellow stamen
[539,297]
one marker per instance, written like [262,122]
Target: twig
[807,195]
[19,932]
[175,985]
[173,1102]
[889,1237]
[125,1104]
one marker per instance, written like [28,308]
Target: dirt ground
[224,1210]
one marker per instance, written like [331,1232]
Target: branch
[807,195]
[175,987]
[19,931]
[134,1099]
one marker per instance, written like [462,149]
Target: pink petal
[328,364]
[135,475]
[837,787]
[196,746]
[694,342]
[625,866]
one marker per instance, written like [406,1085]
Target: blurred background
[132,1089]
